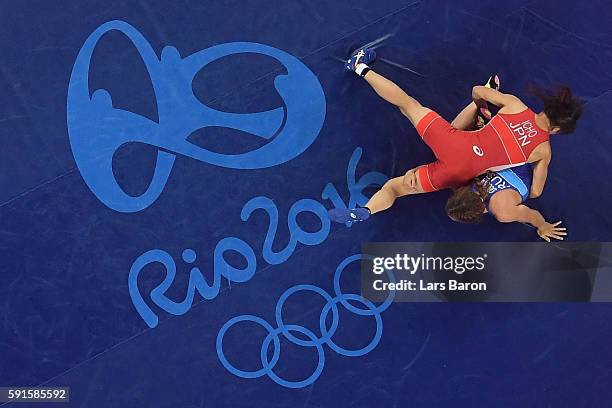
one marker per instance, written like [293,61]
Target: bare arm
[509,103]
[540,173]
[506,211]
[520,213]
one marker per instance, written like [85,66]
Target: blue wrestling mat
[167,167]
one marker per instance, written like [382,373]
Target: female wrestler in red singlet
[516,135]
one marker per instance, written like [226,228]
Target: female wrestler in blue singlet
[501,194]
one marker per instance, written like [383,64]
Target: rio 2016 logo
[97,130]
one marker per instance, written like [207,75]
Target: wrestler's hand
[410,180]
[548,231]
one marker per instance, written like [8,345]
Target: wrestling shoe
[484,114]
[493,82]
[344,215]
[362,56]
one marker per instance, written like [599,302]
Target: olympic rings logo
[313,340]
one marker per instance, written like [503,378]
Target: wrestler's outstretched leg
[389,91]
[380,201]
[390,191]
[385,88]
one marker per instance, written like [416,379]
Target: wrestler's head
[466,205]
[561,108]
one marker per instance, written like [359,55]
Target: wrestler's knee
[395,187]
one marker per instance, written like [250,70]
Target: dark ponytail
[561,107]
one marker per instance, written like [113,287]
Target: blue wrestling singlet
[515,178]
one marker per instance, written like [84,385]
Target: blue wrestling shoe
[344,215]
[362,56]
